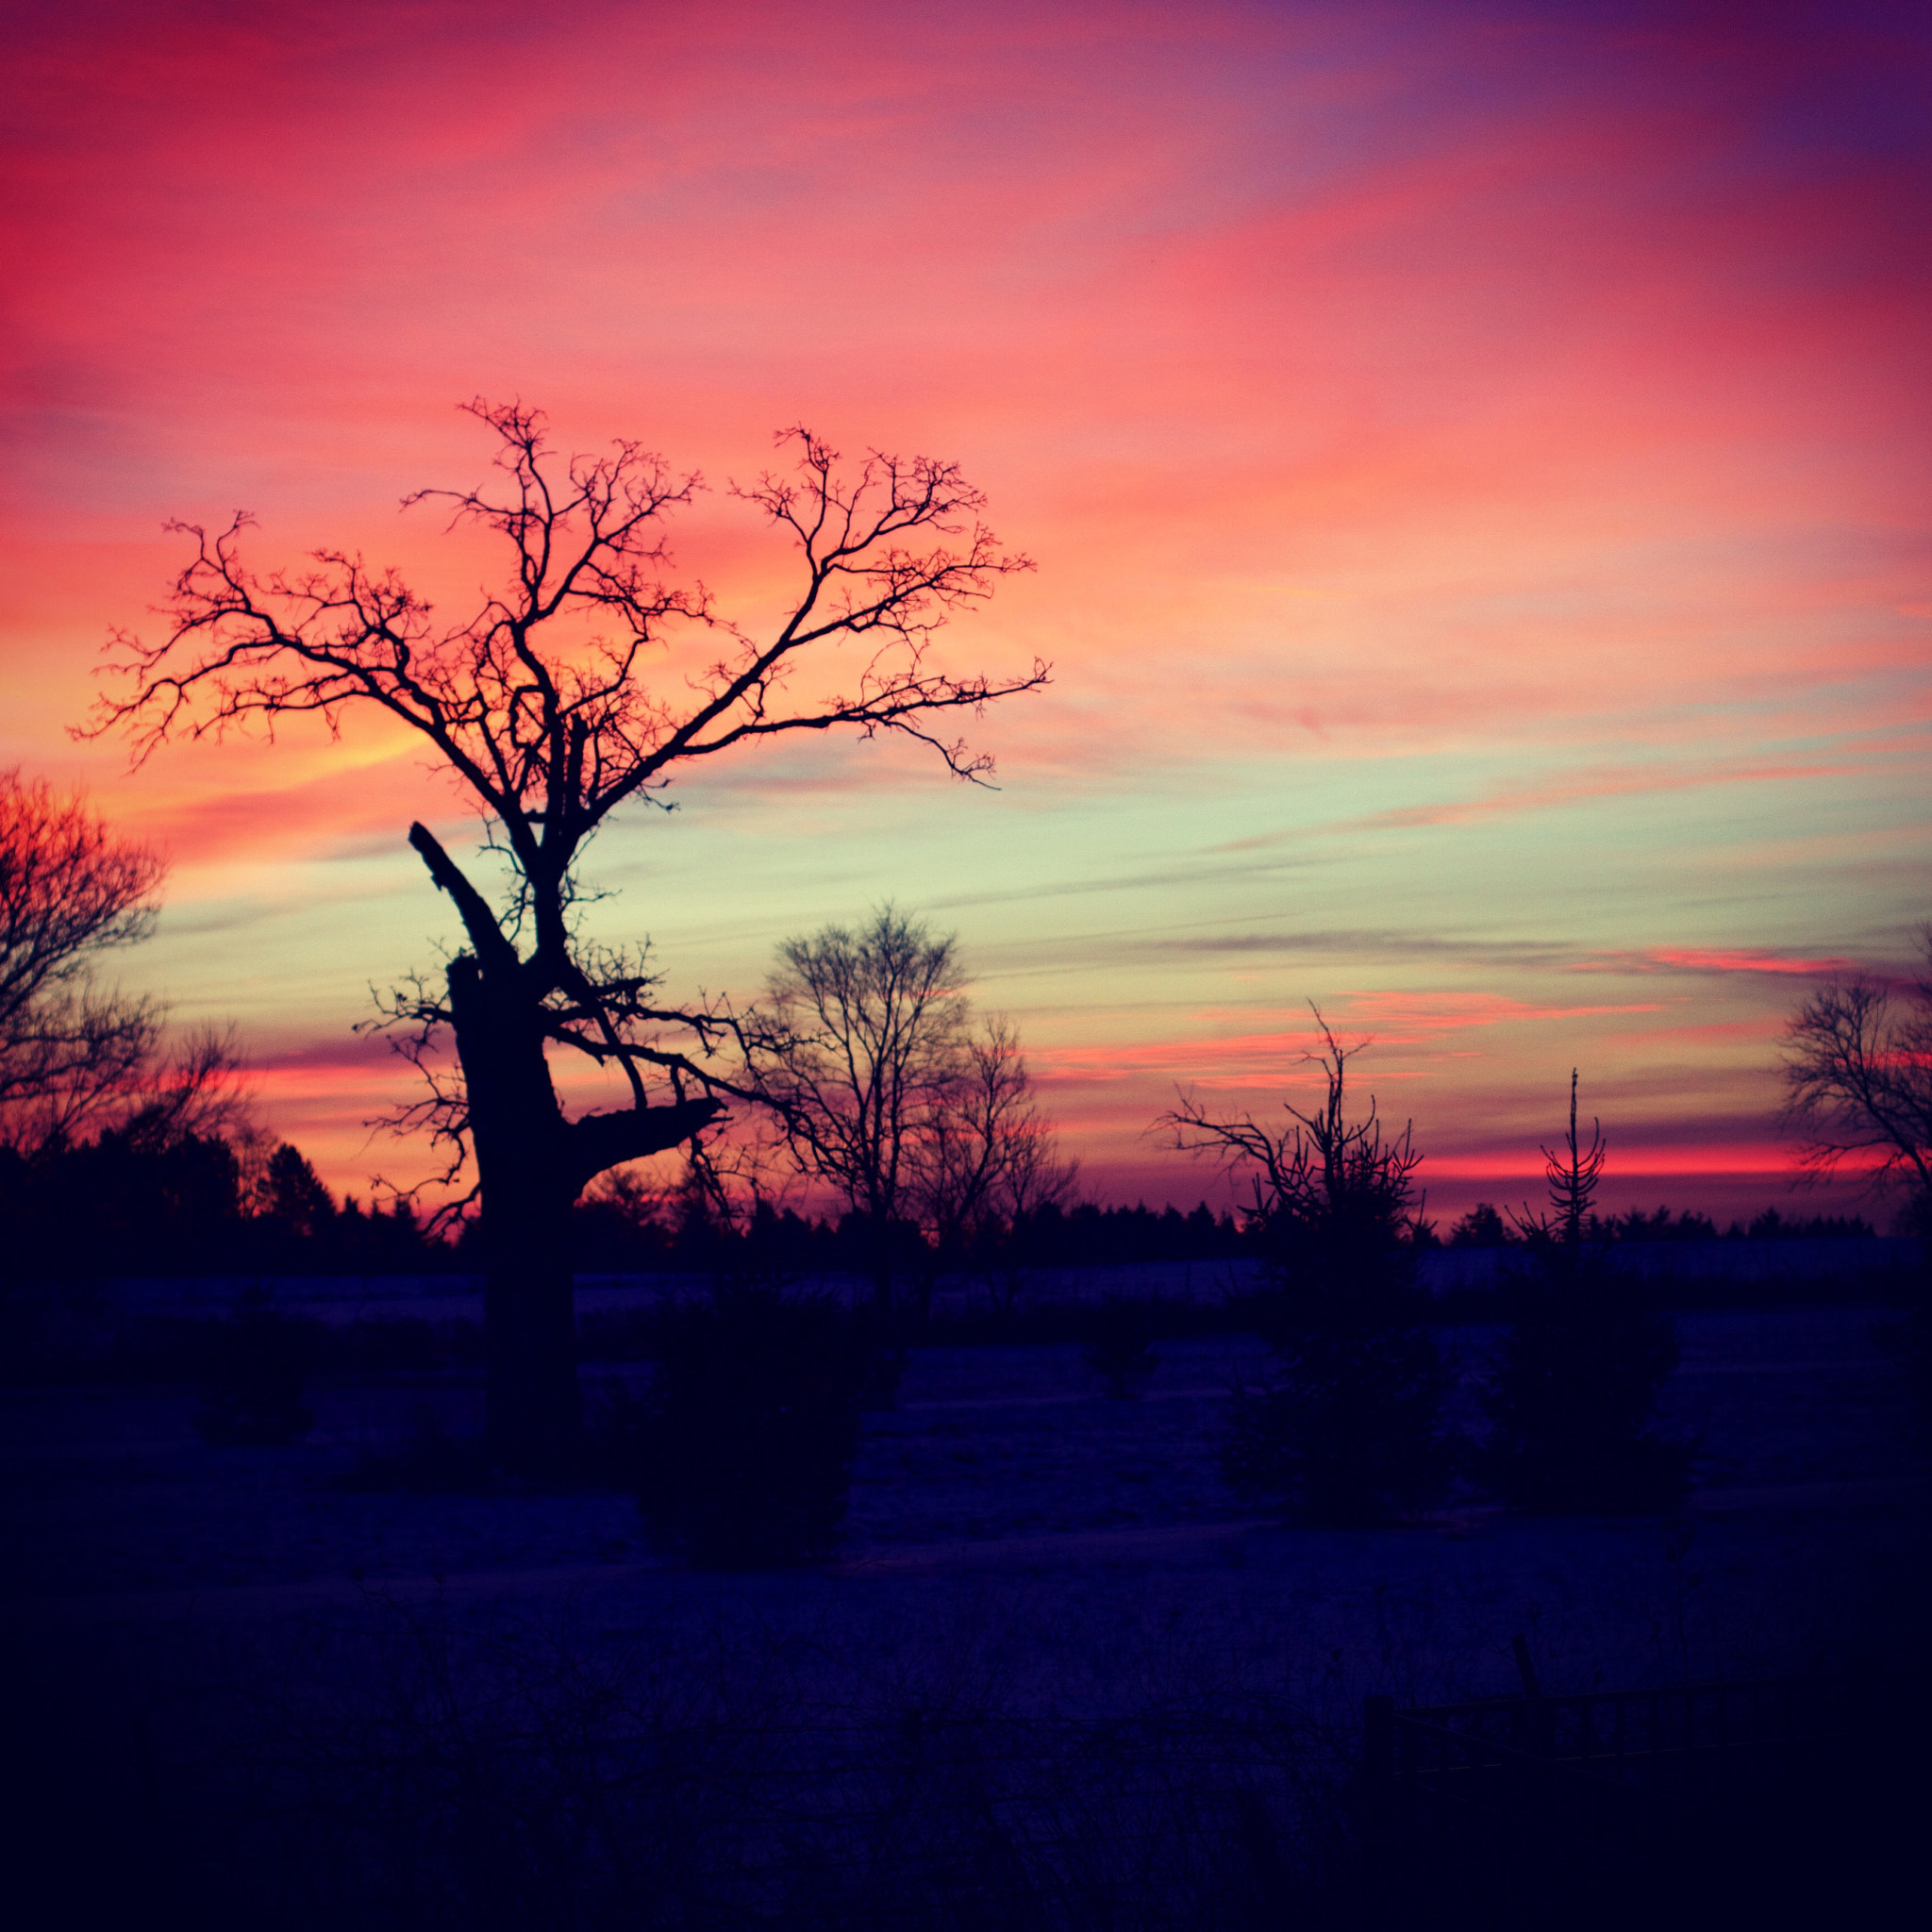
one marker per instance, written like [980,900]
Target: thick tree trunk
[531,1165]
[533,1407]
[533,1412]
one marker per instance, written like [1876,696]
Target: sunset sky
[1476,458]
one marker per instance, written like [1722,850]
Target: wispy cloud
[1719,960]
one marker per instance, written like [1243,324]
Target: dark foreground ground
[1057,1677]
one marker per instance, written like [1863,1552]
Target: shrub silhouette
[742,1449]
[256,1369]
[1121,1350]
[1573,1397]
[1348,1427]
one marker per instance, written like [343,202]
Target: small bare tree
[1571,1174]
[541,702]
[1858,1070]
[861,1064]
[921,1122]
[990,1159]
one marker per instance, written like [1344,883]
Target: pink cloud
[1715,959]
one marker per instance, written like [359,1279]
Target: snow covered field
[1077,1554]
[299,1695]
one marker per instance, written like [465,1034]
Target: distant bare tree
[69,894]
[1857,1067]
[1858,1070]
[541,702]
[990,1159]
[869,1033]
[921,1120]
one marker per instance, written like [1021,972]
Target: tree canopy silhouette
[1857,1067]
[1573,1394]
[542,701]
[69,894]
[921,1120]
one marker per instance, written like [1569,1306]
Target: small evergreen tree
[1347,1428]
[1573,1400]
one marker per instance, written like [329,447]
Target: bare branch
[1321,1171]
[1857,1070]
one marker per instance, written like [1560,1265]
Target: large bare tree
[541,703]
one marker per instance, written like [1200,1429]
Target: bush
[1121,1350]
[1573,1397]
[256,1365]
[743,1448]
[1348,1428]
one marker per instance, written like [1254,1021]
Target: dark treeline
[615,1237]
[131,1201]
[1486,1226]
[134,1202]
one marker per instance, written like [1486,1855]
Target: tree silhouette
[541,702]
[990,1160]
[70,892]
[1348,1428]
[1857,1068]
[1573,1396]
[871,1033]
[1858,1083]
[1571,1176]
[921,1122]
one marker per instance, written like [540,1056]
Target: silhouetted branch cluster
[1322,1176]
[1857,1067]
[70,892]
[882,1087]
